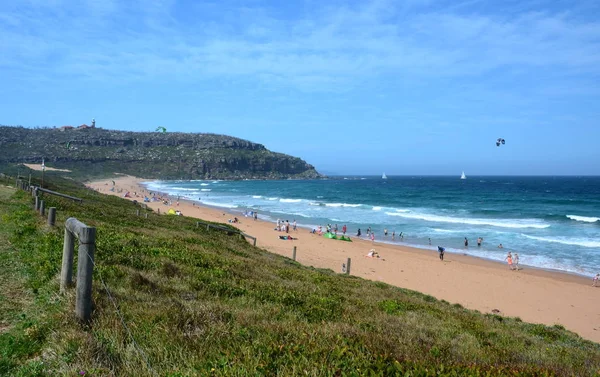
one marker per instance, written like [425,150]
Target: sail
[463,176]
[384,176]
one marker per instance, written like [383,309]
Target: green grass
[200,302]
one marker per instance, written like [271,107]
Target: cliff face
[170,155]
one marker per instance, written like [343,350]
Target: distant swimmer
[500,246]
[479,241]
[385,232]
[466,242]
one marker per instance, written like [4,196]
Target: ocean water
[552,222]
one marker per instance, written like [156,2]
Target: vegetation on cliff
[170,155]
[203,302]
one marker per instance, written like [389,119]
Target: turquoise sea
[552,222]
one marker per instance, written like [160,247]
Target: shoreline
[534,294]
[522,266]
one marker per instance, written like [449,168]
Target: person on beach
[516,261]
[466,242]
[500,246]
[372,237]
[509,260]
[295,226]
[393,235]
[401,236]
[335,229]
[595,280]
[368,231]
[372,254]
[441,250]
[429,241]
[358,233]
[385,232]
[344,229]
[255,216]
[479,241]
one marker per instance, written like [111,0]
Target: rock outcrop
[171,155]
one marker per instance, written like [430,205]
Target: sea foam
[584,218]
[526,223]
[585,242]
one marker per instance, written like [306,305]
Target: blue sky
[405,87]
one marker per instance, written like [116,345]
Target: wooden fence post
[294,253]
[37,203]
[42,208]
[51,216]
[137,212]
[66,273]
[85,269]
[254,241]
[146,215]
[348,262]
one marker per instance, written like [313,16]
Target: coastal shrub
[200,302]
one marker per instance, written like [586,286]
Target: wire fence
[122,318]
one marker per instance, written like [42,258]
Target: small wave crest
[257,196]
[525,223]
[205,189]
[341,205]
[584,218]
[376,208]
[204,184]
[585,242]
[289,200]
[222,205]
[184,189]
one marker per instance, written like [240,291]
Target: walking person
[509,260]
[295,226]
[595,280]
[441,250]
[344,229]
[372,237]
[516,261]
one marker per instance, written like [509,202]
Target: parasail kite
[499,141]
[161,129]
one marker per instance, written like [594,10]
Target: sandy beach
[534,295]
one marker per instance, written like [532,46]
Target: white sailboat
[463,176]
[384,176]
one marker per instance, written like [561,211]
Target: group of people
[513,261]
[251,214]
[284,226]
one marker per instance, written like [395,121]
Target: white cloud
[329,49]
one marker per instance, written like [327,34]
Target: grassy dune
[203,302]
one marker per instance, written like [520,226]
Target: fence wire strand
[120,315]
